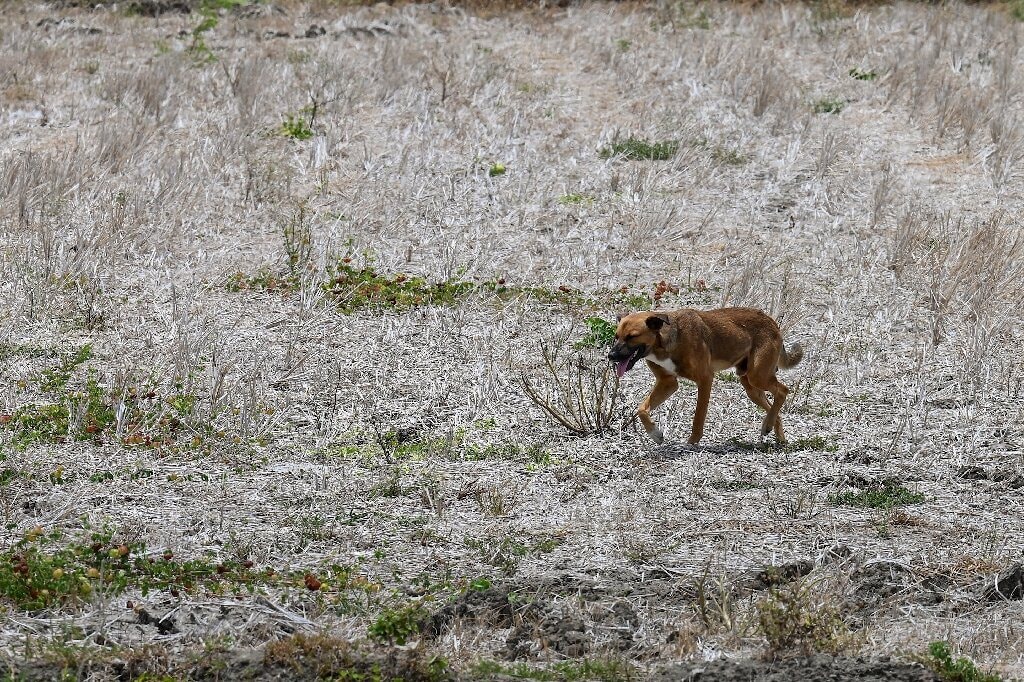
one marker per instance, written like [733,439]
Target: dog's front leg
[701,413]
[664,386]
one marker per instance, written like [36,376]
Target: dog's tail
[792,357]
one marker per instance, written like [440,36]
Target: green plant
[601,333]
[829,105]
[496,170]
[940,660]
[884,495]
[35,574]
[623,44]
[296,128]
[574,198]
[863,75]
[398,625]
[636,149]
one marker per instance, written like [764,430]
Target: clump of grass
[727,156]
[567,671]
[734,485]
[862,75]
[600,333]
[397,625]
[263,280]
[793,624]
[885,495]
[829,105]
[355,288]
[812,443]
[296,128]
[35,575]
[637,149]
[574,198]
[496,169]
[940,661]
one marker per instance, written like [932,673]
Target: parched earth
[281,278]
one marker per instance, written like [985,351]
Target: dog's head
[635,337]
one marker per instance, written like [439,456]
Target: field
[281,279]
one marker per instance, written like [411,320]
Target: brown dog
[694,344]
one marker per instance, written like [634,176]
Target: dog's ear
[656,322]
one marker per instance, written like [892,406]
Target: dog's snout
[618,351]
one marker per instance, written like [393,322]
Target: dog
[694,344]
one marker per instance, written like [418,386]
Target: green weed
[601,333]
[829,105]
[496,170]
[812,443]
[636,149]
[940,660]
[574,198]
[727,156]
[263,280]
[296,128]
[863,75]
[886,495]
[397,625]
[735,485]
[357,288]
[35,575]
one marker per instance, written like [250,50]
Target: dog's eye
[630,337]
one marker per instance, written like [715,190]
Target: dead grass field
[274,274]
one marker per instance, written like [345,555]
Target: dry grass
[389,451]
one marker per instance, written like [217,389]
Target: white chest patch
[666,363]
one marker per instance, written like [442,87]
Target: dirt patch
[1008,585]
[813,669]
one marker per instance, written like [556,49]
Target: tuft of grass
[886,495]
[397,625]
[734,485]
[296,128]
[636,149]
[727,156]
[567,671]
[812,443]
[829,105]
[496,170]
[793,624]
[939,660]
[862,75]
[574,198]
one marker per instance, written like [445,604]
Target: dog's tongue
[621,367]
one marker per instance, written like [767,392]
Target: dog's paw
[656,435]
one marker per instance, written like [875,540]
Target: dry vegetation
[277,276]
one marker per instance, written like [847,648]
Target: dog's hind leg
[762,378]
[759,398]
[664,386]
